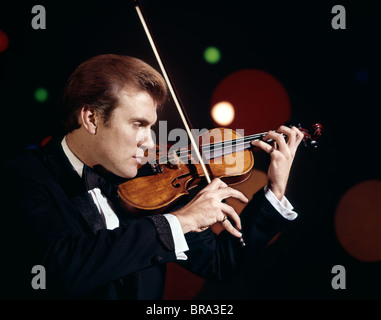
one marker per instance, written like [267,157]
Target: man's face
[119,146]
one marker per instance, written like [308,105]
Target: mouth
[140,156]
[140,160]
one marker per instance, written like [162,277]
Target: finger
[228,192]
[299,134]
[278,137]
[294,137]
[229,228]
[226,224]
[264,146]
[291,134]
[232,214]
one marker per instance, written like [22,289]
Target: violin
[172,175]
[172,181]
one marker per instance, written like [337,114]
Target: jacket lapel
[72,184]
[89,211]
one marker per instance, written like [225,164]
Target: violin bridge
[176,160]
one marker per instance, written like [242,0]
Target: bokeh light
[362,75]
[212,55]
[223,113]
[4,41]
[181,284]
[260,101]
[358,221]
[31,146]
[41,94]
[45,140]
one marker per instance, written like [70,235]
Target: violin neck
[219,149]
[213,150]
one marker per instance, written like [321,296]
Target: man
[60,213]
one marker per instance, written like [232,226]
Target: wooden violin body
[167,182]
[171,175]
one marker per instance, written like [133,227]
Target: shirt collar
[74,161]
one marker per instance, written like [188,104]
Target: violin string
[245,139]
[207,148]
[235,142]
[183,154]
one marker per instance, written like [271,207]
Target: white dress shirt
[284,207]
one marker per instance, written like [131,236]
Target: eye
[136,124]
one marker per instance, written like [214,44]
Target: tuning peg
[313,143]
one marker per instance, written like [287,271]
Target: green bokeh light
[212,55]
[41,94]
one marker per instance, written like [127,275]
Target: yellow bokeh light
[223,113]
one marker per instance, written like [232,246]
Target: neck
[81,146]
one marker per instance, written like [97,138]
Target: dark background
[331,76]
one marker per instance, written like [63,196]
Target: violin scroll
[311,140]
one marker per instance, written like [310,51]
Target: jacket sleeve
[41,226]
[218,257]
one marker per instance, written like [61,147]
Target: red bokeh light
[4,42]
[260,101]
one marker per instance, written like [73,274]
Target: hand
[207,208]
[282,155]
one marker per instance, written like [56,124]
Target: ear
[89,119]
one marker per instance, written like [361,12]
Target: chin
[130,173]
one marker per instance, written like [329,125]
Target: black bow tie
[94,180]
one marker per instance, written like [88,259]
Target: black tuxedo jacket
[49,219]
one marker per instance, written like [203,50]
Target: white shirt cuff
[283,206]
[178,236]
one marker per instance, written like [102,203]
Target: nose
[145,139]
[149,143]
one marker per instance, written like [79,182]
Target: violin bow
[174,95]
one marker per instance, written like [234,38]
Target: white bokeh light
[223,113]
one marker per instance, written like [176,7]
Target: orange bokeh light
[358,221]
